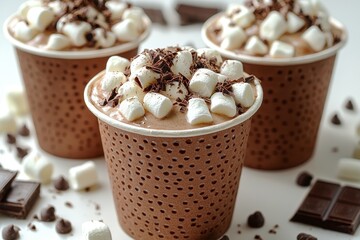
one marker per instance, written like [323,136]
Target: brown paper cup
[285,129]
[174,184]
[54,83]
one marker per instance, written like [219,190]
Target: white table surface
[275,194]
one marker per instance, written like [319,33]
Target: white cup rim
[86,54]
[275,61]
[171,133]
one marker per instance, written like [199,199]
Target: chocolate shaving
[10,138]
[24,131]
[226,86]
[249,79]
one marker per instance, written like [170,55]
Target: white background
[273,193]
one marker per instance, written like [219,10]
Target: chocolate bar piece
[6,178]
[190,14]
[330,206]
[20,199]
[155,14]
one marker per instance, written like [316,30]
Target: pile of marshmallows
[233,36]
[134,101]
[35,17]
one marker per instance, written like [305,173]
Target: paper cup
[54,83]
[174,184]
[285,129]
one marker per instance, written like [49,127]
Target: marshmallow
[131,109]
[233,8]
[117,64]
[198,112]
[40,17]
[157,104]
[233,69]
[7,123]
[112,80]
[182,63]
[38,168]
[349,168]
[203,82]
[306,7]
[17,102]
[318,7]
[136,14]
[95,17]
[126,30]
[57,7]
[323,20]
[25,7]
[315,38]
[76,31]
[233,37]
[223,21]
[243,94]
[255,46]
[138,62]
[131,89]
[83,176]
[273,26]
[116,8]
[104,39]
[23,32]
[221,78]
[294,22]
[244,17]
[175,90]
[144,76]
[95,230]
[209,54]
[280,49]
[58,42]
[223,104]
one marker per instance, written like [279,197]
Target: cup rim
[83,54]
[171,133]
[275,61]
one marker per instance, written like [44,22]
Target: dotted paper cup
[285,128]
[54,83]
[174,184]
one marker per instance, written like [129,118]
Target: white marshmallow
[306,7]
[23,32]
[104,39]
[280,49]
[136,14]
[223,104]
[244,17]
[40,17]
[138,62]
[323,20]
[131,89]
[175,90]
[83,176]
[349,168]
[315,38]
[221,78]
[233,69]
[273,26]
[95,230]
[145,77]
[58,42]
[94,16]
[7,123]
[117,64]
[112,80]
[203,82]
[38,167]
[25,6]
[116,8]
[223,21]
[255,46]
[233,8]
[243,94]
[233,37]
[318,7]
[198,112]
[126,30]
[17,102]
[157,104]
[57,7]
[209,54]
[294,22]
[76,32]
[131,109]
[182,63]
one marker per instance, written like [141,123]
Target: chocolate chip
[336,120]
[48,214]
[24,131]
[21,152]
[32,227]
[225,238]
[10,232]
[63,226]
[305,236]
[304,179]
[69,204]
[258,237]
[256,220]
[10,138]
[61,184]
[349,105]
